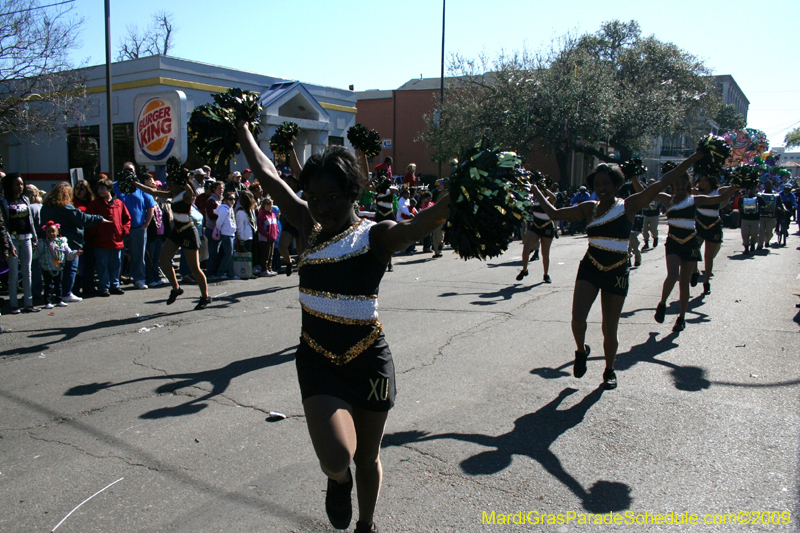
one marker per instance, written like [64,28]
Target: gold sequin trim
[697,221]
[340,319]
[352,353]
[600,266]
[682,241]
[334,296]
[328,260]
[547,222]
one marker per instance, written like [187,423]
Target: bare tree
[154,40]
[39,90]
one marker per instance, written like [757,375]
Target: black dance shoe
[203,303]
[695,277]
[535,256]
[338,502]
[706,287]
[679,326]
[522,274]
[173,295]
[547,278]
[655,243]
[579,366]
[609,380]
[661,312]
[366,527]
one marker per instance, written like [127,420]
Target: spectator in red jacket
[108,239]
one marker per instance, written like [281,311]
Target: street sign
[386,143]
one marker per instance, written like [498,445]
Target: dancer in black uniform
[604,268]
[709,227]
[540,229]
[344,365]
[682,246]
[184,236]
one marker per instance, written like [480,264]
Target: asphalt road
[173,405]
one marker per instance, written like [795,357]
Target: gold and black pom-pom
[281,141]
[212,127]
[541,179]
[365,141]
[716,150]
[177,175]
[745,176]
[126,180]
[633,167]
[666,166]
[382,183]
[488,198]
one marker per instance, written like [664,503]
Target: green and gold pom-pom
[126,180]
[633,167]
[488,199]
[285,135]
[365,141]
[716,151]
[212,127]
[177,175]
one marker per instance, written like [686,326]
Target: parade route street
[489,419]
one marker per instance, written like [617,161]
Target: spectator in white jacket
[246,222]
[226,224]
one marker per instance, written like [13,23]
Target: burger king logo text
[154,129]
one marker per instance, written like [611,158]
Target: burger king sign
[160,127]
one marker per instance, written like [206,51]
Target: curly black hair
[613,171]
[338,163]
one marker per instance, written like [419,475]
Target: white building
[324,115]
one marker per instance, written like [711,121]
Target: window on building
[83,150]
[123,145]
[337,141]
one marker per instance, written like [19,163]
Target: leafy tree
[613,86]
[729,119]
[154,40]
[792,138]
[39,90]
[658,88]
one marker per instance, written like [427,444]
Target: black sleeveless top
[339,281]
[680,218]
[609,235]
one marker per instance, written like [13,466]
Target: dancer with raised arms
[682,246]
[604,268]
[344,365]
[540,230]
[709,227]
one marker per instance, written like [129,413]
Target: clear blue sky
[381,45]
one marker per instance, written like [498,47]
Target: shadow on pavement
[219,379]
[504,294]
[685,378]
[70,333]
[532,436]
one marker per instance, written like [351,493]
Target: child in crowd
[108,239]
[267,235]
[51,257]
[226,226]
[245,222]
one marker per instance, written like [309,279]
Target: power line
[34,8]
